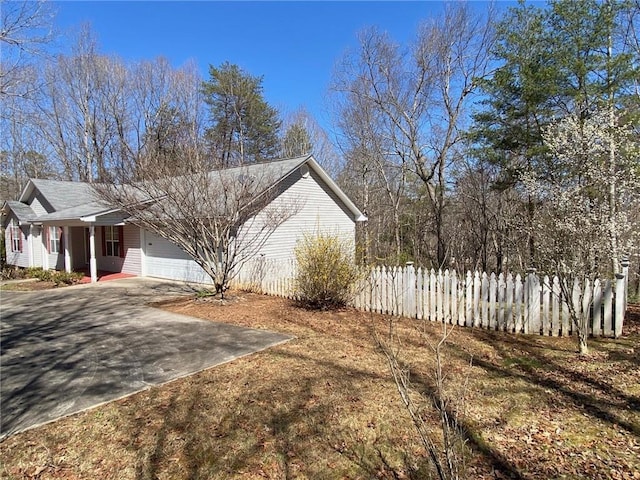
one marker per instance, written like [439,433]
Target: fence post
[530,301]
[624,263]
[469,300]
[620,298]
[493,298]
[447,297]
[476,300]
[410,291]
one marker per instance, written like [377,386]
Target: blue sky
[293,45]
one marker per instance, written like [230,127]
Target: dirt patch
[631,325]
[323,406]
[30,286]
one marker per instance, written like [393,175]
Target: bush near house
[59,278]
[326,270]
[12,273]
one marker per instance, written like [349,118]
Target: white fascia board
[92,218]
[26,191]
[358,215]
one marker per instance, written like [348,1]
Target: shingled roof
[63,194]
[74,200]
[22,212]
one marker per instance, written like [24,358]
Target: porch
[104,252]
[103,275]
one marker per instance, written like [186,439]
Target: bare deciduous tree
[318,140]
[417,98]
[27,26]
[446,445]
[220,218]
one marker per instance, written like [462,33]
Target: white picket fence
[518,304]
[502,302]
[268,277]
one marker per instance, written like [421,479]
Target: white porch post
[67,249]
[93,266]
[30,242]
[45,247]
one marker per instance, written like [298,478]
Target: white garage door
[166,260]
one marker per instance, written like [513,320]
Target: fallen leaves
[323,406]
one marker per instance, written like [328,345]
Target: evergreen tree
[559,61]
[244,127]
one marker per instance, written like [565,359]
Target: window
[55,236]
[112,241]
[16,238]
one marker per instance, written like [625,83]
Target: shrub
[66,278]
[326,271]
[13,273]
[57,277]
[39,273]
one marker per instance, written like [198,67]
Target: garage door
[166,260]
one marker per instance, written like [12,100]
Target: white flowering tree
[586,210]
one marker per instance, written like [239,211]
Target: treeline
[497,141]
[86,116]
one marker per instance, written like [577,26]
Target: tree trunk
[582,338]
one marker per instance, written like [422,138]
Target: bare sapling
[446,446]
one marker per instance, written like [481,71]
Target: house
[65,226]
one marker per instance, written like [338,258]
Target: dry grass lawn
[322,406]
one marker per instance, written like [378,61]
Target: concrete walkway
[66,350]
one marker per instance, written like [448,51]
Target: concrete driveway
[66,350]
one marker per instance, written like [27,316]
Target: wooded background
[495,142]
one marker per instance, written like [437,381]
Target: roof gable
[278,170]
[77,199]
[60,194]
[22,212]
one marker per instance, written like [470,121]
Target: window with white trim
[54,239]
[112,241]
[16,238]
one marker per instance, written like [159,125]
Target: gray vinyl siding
[133,256]
[38,247]
[131,263]
[37,204]
[55,260]
[314,209]
[166,260]
[18,259]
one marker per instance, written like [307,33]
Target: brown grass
[323,406]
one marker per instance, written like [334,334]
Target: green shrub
[39,273]
[326,271]
[57,277]
[66,278]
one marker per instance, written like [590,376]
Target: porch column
[67,248]
[45,247]
[30,242]
[93,266]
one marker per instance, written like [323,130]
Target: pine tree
[244,127]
